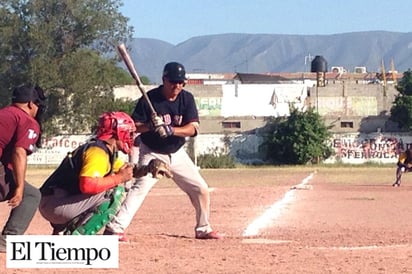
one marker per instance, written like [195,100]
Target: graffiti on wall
[356,105]
[209,106]
[348,148]
[378,148]
[55,148]
[64,141]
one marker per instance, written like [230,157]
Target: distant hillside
[261,53]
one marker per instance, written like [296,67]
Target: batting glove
[157,121]
[165,131]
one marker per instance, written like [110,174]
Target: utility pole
[394,77]
[383,78]
[308,59]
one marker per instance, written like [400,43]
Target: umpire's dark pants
[20,216]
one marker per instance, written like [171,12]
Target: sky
[176,21]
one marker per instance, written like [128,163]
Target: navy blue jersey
[175,113]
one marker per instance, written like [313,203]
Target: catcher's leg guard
[90,223]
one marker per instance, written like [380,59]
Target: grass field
[380,175]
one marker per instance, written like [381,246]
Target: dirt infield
[341,220]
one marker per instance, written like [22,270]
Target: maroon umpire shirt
[17,129]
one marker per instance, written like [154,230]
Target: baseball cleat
[122,236]
[212,235]
[396,185]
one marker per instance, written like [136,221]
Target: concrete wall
[249,105]
[366,106]
[349,106]
[353,148]
[350,148]
[346,105]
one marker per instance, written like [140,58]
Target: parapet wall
[353,148]
[349,106]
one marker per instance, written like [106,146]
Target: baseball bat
[133,72]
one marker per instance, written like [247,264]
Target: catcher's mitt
[158,169]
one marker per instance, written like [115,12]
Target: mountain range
[266,53]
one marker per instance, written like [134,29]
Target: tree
[145,80]
[405,84]
[67,48]
[401,110]
[298,139]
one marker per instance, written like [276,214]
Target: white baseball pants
[185,174]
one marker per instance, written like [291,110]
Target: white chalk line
[335,248]
[275,209]
[365,247]
[264,241]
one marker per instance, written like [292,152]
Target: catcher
[84,193]
[404,165]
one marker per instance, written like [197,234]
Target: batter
[163,137]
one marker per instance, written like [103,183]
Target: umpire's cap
[28,93]
[174,72]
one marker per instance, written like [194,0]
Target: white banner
[47,251]
[54,149]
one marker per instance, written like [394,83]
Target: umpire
[19,134]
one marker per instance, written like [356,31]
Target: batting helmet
[174,72]
[118,125]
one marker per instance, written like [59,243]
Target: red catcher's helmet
[118,125]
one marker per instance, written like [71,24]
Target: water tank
[319,64]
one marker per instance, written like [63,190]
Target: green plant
[300,138]
[217,158]
[401,109]
[215,161]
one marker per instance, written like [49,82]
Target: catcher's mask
[118,125]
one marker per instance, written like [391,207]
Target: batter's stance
[163,137]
